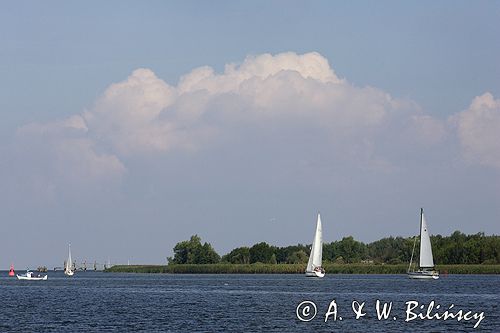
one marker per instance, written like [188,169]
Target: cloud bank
[285,98]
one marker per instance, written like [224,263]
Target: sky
[126,127]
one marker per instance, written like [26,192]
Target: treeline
[457,248]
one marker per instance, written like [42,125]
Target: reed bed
[296,269]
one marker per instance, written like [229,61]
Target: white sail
[315,258]
[70,262]
[426,260]
[68,268]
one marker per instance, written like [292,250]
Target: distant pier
[86,266]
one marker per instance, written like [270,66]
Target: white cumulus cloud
[286,98]
[61,154]
[144,114]
[125,117]
[308,66]
[478,129]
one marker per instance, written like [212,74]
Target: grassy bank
[296,269]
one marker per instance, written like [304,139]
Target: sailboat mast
[415,241]
[421,214]
[412,252]
[421,218]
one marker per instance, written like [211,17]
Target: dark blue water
[111,302]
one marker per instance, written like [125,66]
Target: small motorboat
[30,276]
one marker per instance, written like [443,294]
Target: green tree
[273,259]
[391,250]
[298,257]
[330,251]
[240,255]
[283,254]
[193,252]
[351,250]
[261,252]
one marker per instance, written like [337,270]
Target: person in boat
[319,269]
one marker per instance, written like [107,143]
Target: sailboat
[68,266]
[314,268]
[426,264]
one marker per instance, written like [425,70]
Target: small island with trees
[454,254]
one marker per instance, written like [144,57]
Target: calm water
[110,302]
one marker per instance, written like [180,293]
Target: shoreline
[296,269]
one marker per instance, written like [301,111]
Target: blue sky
[231,171]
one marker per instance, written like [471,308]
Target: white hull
[31,278]
[69,273]
[423,275]
[315,274]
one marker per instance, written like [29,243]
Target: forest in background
[458,248]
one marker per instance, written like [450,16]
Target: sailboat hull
[424,275]
[315,274]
